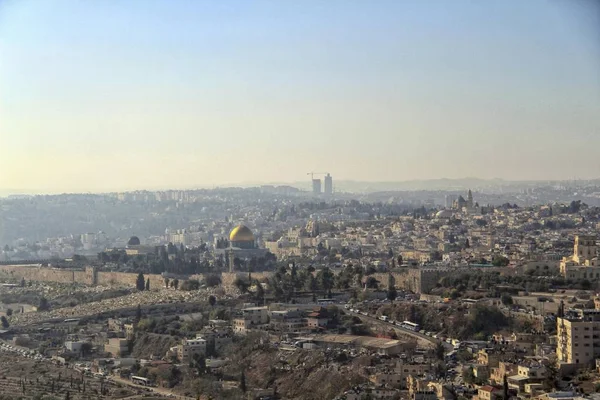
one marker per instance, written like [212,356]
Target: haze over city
[300,200]
[100,96]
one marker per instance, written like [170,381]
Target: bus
[140,381]
[325,302]
[410,325]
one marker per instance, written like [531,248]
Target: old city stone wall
[423,280]
[91,276]
[87,276]
[418,280]
[46,274]
[124,278]
[406,280]
[228,278]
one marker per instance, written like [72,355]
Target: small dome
[241,233]
[133,241]
[444,214]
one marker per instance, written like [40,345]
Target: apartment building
[253,318]
[188,348]
[578,334]
[117,347]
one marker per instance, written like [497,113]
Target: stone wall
[228,278]
[87,276]
[91,276]
[410,279]
[128,279]
[47,274]
[423,280]
[417,280]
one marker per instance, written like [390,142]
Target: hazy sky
[112,95]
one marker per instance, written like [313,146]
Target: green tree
[500,261]
[4,322]
[212,280]
[199,363]
[86,349]
[9,312]
[166,282]
[325,279]
[241,284]
[372,283]
[259,294]
[140,282]
[22,282]
[243,387]
[468,375]
[507,299]
[176,283]
[439,351]
[190,284]
[43,305]
[391,292]
[212,300]
[310,283]
[148,284]
[138,313]
[552,374]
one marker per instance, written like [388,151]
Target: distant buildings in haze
[328,186]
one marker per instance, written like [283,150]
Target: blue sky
[210,93]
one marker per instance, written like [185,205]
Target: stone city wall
[47,274]
[91,276]
[228,278]
[87,276]
[418,280]
[128,279]
[423,280]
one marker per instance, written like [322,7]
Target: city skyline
[104,98]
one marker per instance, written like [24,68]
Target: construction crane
[312,174]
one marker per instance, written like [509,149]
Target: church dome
[444,214]
[241,233]
[133,241]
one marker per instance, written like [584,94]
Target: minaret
[231,256]
[470,199]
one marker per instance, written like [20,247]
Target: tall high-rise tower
[316,186]
[328,185]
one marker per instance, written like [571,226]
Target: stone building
[583,264]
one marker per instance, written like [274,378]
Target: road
[157,390]
[422,339]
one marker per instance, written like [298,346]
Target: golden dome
[241,233]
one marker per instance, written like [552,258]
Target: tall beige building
[578,335]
